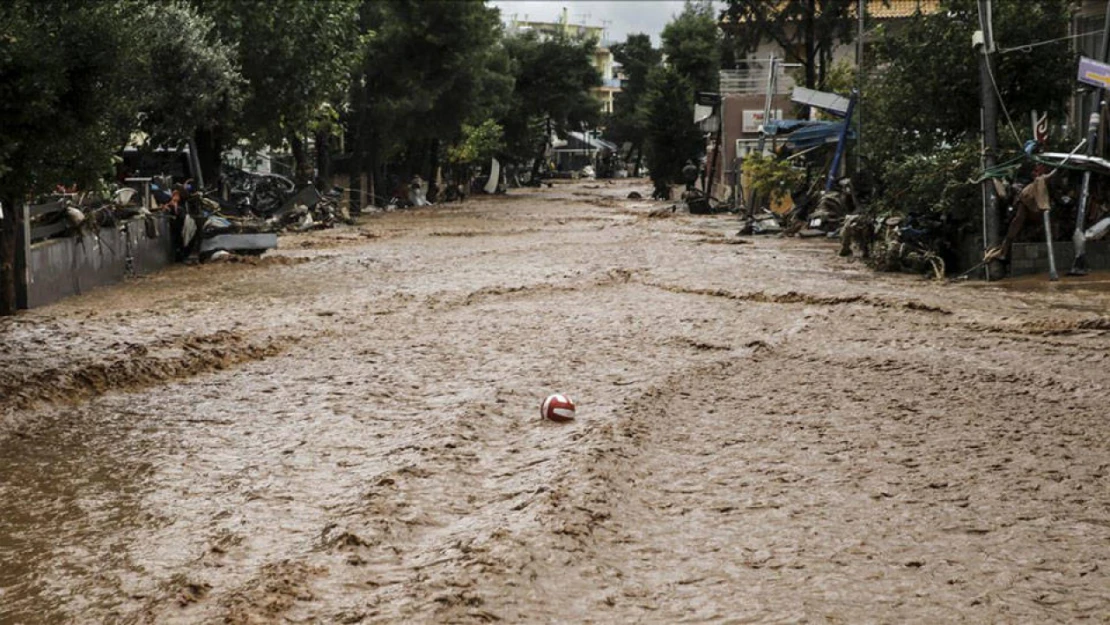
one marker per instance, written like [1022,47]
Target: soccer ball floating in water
[558,408]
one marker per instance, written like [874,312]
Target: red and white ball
[558,408]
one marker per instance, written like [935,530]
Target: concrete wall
[59,268]
[1029,258]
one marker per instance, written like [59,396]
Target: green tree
[296,58]
[925,150]
[691,43]
[63,77]
[429,68]
[553,77]
[672,138]
[187,78]
[931,54]
[478,145]
[637,58]
[806,30]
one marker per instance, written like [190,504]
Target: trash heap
[246,214]
[278,203]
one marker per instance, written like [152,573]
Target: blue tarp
[801,134]
[787,126]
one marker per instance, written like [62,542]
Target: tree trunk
[300,159]
[543,151]
[433,160]
[810,45]
[823,68]
[210,145]
[10,226]
[323,161]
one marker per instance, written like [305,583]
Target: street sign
[752,120]
[836,104]
[1094,72]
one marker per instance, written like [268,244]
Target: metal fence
[58,259]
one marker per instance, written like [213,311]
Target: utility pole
[983,41]
[862,10]
[772,87]
[772,71]
[1079,237]
[771,79]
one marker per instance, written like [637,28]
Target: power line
[1029,46]
[986,28]
[1005,110]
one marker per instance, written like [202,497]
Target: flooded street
[348,432]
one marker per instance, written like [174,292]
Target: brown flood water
[348,432]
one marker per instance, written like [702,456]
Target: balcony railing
[752,81]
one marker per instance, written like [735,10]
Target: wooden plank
[39,233]
[46,209]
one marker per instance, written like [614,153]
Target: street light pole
[982,40]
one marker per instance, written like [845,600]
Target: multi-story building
[744,89]
[603,56]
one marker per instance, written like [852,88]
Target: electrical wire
[994,83]
[1009,121]
[1029,46]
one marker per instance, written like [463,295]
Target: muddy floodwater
[347,431]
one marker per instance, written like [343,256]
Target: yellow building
[603,56]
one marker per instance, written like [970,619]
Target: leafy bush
[772,178]
[939,181]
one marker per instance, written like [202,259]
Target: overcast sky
[623,17]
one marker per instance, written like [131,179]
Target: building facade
[602,57]
[744,89]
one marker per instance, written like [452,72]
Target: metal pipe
[1052,274]
[842,143]
[762,129]
[1079,263]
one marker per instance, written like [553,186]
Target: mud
[350,433]
[141,365]
[793,297]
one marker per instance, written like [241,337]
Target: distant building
[751,74]
[743,89]
[603,56]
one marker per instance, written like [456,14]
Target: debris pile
[247,213]
[243,216]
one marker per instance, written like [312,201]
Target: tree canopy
[806,30]
[637,58]
[691,43]
[672,138]
[931,55]
[63,66]
[186,78]
[552,76]
[428,69]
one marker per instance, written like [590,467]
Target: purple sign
[1094,73]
